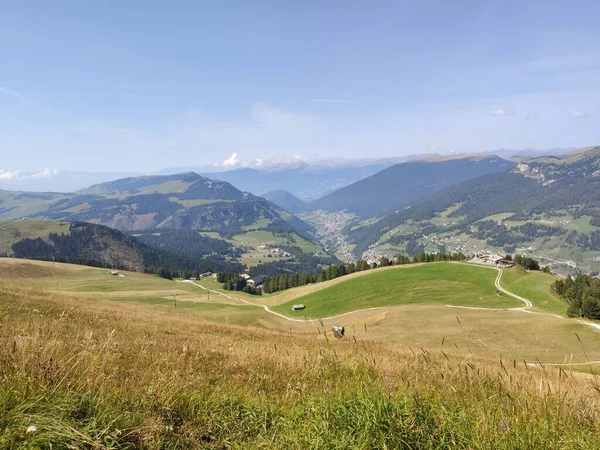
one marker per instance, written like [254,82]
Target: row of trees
[582,294]
[286,281]
[234,282]
[526,262]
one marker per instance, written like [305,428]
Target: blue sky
[144,85]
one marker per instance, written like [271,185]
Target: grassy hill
[142,374]
[98,245]
[429,284]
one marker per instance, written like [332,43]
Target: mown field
[429,284]
[79,372]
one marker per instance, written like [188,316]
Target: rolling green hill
[428,284]
[14,231]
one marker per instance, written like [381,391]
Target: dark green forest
[583,295]
[86,242]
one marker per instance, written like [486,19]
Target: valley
[300,225]
[162,354]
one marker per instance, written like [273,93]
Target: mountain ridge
[184,201]
[553,205]
[401,185]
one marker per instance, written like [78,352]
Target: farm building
[491,259]
[256,281]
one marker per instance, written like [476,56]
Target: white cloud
[46,173]
[232,161]
[6,175]
[576,113]
[502,112]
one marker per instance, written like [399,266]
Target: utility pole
[175,300]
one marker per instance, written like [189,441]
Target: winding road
[270,311]
[526,308]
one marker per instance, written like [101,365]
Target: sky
[140,86]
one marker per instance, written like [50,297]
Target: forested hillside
[405,184]
[537,204]
[98,245]
[183,201]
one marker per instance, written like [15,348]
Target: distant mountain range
[306,180]
[286,200]
[181,201]
[548,205]
[405,184]
[64,181]
[303,181]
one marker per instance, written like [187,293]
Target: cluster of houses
[255,282]
[491,259]
[276,251]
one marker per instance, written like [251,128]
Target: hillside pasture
[404,320]
[134,376]
[428,284]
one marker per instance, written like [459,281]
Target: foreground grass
[95,374]
[427,284]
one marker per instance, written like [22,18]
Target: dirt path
[527,303]
[270,311]
[526,308]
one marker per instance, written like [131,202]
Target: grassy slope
[15,205]
[536,287]
[133,287]
[14,231]
[429,284]
[251,240]
[165,380]
[479,333]
[257,238]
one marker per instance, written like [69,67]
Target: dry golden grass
[97,374]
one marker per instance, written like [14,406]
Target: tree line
[275,283]
[92,245]
[582,294]
[234,282]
